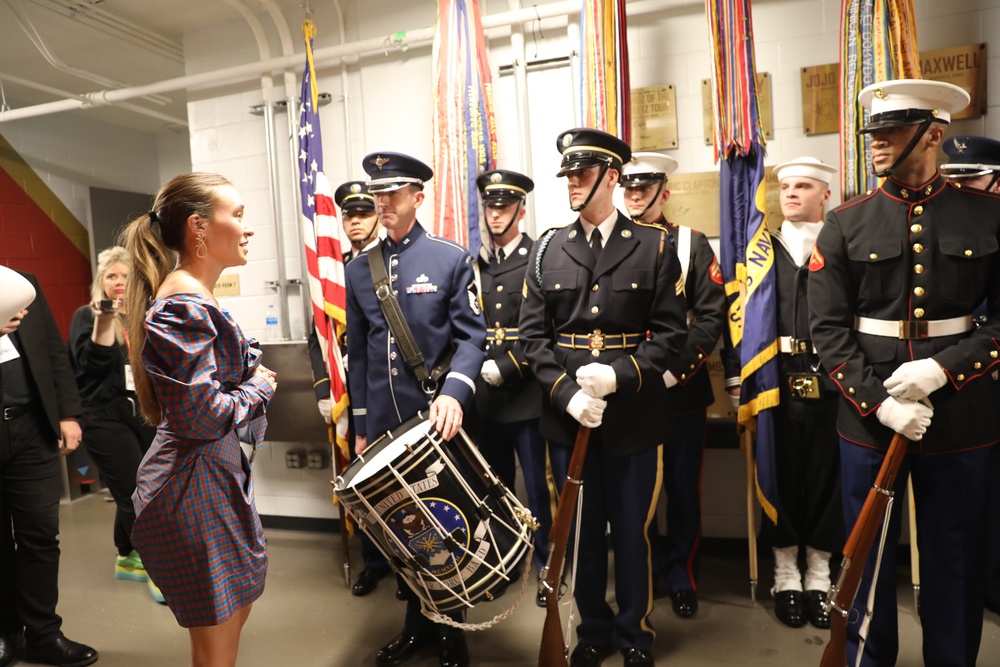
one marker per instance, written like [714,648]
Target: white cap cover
[902,94]
[809,167]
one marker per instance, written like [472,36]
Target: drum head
[385,451]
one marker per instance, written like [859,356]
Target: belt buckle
[595,342]
[7,414]
[799,346]
[499,335]
[911,329]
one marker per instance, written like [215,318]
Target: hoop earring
[201,250]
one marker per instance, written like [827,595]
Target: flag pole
[746,441]
[345,549]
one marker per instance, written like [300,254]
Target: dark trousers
[371,556]
[993,520]
[30,487]
[415,623]
[676,559]
[949,492]
[498,442]
[807,462]
[621,491]
[116,441]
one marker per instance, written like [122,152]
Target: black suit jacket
[47,361]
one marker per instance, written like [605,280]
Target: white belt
[910,329]
[789,345]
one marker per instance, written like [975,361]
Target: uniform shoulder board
[654,225]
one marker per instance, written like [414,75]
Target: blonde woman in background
[198,378]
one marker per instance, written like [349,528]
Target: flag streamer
[605,96]
[465,143]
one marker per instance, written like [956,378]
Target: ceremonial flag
[324,257]
[745,244]
[878,43]
[605,95]
[465,142]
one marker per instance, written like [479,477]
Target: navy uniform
[434,284]
[509,410]
[974,162]
[895,277]
[689,383]
[621,310]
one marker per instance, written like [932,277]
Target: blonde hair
[154,241]
[113,255]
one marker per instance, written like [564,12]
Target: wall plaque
[654,118]
[228,284]
[964,66]
[694,201]
[820,92]
[764,108]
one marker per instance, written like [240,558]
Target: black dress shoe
[453,651]
[685,603]
[9,646]
[400,649]
[635,657]
[815,612]
[789,607]
[588,655]
[367,581]
[61,652]
[992,605]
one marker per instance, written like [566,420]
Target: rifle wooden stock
[856,551]
[552,652]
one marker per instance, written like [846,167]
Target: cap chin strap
[993,181]
[656,197]
[593,190]
[512,220]
[924,126]
[371,233]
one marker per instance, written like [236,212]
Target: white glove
[598,380]
[491,373]
[734,401]
[325,409]
[669,379]
[587,410]
[907,417]
[915,380]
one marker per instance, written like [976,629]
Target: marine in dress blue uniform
[508,397]
[895,276]
[434,283]
[645,181]
[974,162]
[604,317]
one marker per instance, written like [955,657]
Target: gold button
[977,365]
[635,286]
[961,377]
[918,248]
[873,256]
[684,376]
[916,228]
[595,288]
[993,354]
[692,366]
[851,390]
[558,285]
[918,313]
[840,376]
[499,306]
[919,291]
[595,310]
[864,406]
[968,253]
[868,192]
[701,356]
[499,288]
[918,268]
[917,210]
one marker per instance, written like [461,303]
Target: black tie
[595,243]
[501,256]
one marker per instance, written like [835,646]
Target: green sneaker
[154,590]
[130,567]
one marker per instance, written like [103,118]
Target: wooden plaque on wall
[228,284]
[763,98]
[820,92]
[964,66]
[654,118]
[694,201]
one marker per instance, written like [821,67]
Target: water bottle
[272,329]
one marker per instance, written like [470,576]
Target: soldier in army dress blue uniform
[894,278]
[434,284]
[603,319]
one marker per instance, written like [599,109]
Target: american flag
[324,258]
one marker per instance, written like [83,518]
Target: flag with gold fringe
[878,43]
[745,244]
[324,256]
[465,141]
[604,75]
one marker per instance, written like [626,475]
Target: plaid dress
[197,528]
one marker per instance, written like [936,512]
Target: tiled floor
[307,618]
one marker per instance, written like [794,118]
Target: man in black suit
[40,409]
[603,318]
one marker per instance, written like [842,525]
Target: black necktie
[501,256]
[595,243]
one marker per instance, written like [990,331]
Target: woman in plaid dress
[199,379]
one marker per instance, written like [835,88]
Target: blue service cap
[501,187]
[391,171]
[971,156]
[354,196]
[584,147]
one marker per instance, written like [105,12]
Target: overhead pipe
[360,48]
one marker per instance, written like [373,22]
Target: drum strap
[412,356]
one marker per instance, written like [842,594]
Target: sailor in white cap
[677,560]
[894,278]
[806,445]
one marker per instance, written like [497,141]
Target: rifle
[552,652]
[840,599]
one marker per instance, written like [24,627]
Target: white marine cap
[647,167]
[910,102]
[809,167]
